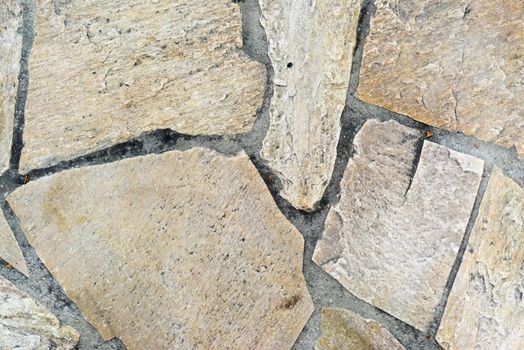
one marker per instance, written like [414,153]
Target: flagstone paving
[184,250]
[393,237]
[453,64]
[104,72]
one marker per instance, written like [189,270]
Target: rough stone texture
[10,53]
[104,72]
[485,309]
[344,330]
[311,48]
[9,249]
[181,250]
[453,64]
[26,325]
[394,235]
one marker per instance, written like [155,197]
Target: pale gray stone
[344,330]
[311,47]
[183,250]
[393,237]
[10,54]
[485,309]
[26,325]
[9,249]
[103,72]
[454,64]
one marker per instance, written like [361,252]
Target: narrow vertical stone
[9,249]
[311,47]
[485,309]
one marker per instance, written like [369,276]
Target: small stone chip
[26,325]
[9,249]
[394,235]
[344,330]
[485,309]
[183,250]
[104,72]
[311,47]
[453,64]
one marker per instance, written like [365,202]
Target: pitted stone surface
[182,250]
[9,249]
[311,47]
[26,325]
[105,72]
[453,64]
[485,309]
[344,330]
[394,235]
[10,54]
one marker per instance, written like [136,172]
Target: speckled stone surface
[10,53]
[394,234]
[485,309]
[310,44]
[182,250]
[344,330]
[9,249]
[457,65]
[25,325]
[105,72]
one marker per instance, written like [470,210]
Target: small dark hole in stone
[290,64]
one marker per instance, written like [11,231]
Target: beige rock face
[182,250]
[10,54]
[452,64]
[485,309]
[311,48]
[104,72]
[344,330]
[26,325]
[393,237]
[9,249]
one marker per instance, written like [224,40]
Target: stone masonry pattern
[261,175]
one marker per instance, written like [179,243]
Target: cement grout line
[323,288]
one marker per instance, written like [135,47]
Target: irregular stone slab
[24,324]
[344,330]
[452,64]
[11,52]
[9,249]
[190,241]
[103,73]
[311,48]
[485,307]
[394,236]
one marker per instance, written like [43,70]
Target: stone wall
[261,174]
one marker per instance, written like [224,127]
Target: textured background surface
[324,289]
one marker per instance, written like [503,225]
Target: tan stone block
[9,249]
[453,64]
[182,250]
[394,235]
[311,47]
[103,72]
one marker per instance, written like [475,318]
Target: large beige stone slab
[103,72]
[311,49]
[453,64]
[394,235]
[10,54]
[183,250]
[9,249]
[344,330]
[485,309]
[24,324]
